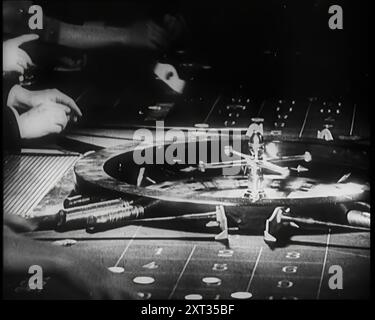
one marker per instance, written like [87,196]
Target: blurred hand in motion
[83,275]
[160,36]
[175,27]
[24,100]
[17,223]
[14,58]
[44,119]
[146,34]
[94,281]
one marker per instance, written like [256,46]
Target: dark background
[272,48]
[281,45]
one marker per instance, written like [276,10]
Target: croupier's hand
[94,281]
[44,119]
[83,275]
[14,58]
[24,100]
[146,34]
[17,223]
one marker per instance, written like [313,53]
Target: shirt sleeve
[8,82]
[11,132]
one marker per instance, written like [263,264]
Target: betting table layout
[165,261]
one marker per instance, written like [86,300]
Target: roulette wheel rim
[90,172]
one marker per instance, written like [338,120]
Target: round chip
[241,295]
[212,281]
[144,295]
[143,280]
[116,269]
[65,242]
[193,297]
[201,125]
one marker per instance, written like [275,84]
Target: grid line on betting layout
[357,255]
[240,260]
[263,277]
[305,120]
[208,246]
[253,272]
[324,264]
[127,246]
[182,272]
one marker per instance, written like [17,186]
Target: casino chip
[241,295]
[201,125]
[65,242]
[143,280]
[212,281]
[144,295]
[116,269]
[193,297]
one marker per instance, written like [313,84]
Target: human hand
[14,58]
[160,36]
[17,223]
[46,118]
[93,280]
[146,34]
[23,99]
[175,26]
[168,74]
[83,274]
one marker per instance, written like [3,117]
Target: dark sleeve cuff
[9,80]
[11,131]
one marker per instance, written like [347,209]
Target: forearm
[20,253]
[11,130]
[88,37]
